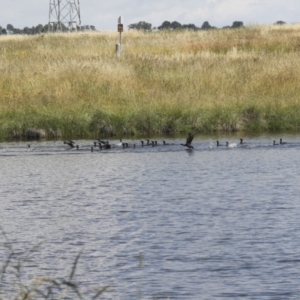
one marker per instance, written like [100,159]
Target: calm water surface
[164,222]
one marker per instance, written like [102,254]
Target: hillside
[165,82]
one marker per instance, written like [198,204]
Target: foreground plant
[42,287]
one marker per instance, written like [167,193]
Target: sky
[104,14]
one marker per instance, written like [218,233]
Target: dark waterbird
[219,145]
[274,143]
[102,146]
[189,142]
[103,142]
[127,145]
[70,143]
[106,146]
[281,142]
[148,143]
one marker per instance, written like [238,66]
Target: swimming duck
[274,143]
[219,145]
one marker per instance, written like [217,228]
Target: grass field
[165,82]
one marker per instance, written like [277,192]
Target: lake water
[163,222]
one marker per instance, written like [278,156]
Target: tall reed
[165,82]
[14,283]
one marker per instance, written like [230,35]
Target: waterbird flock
[104,145]
[107,145]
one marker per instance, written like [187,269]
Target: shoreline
[214,135]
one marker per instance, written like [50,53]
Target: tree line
[142,25]
[166,25]
[10,29]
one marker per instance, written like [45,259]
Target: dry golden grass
[164,82]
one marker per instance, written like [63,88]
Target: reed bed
[165,82]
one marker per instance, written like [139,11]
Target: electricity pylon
[64,15]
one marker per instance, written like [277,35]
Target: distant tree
[279,23]
[27,30]
[33,30]
[18,31]
[39,28]
[10,28]
[142,25]
[206,25]
[175,25]
[164,25]
[64,28]
[46,27]
[237,24]
[85,27]
[190,26]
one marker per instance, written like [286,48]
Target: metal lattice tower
[64,15]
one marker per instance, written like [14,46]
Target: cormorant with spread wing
[189,142]
[70,143]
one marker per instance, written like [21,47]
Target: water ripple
[158,221]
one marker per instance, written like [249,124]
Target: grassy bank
[165,82]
